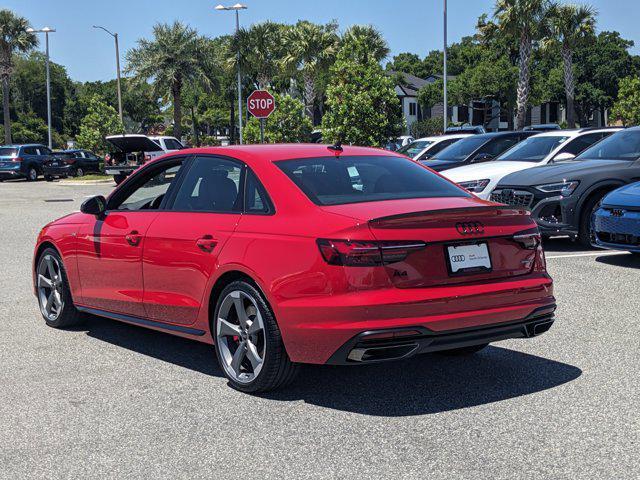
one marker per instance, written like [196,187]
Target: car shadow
[563,245]
[421,385]
[627,261]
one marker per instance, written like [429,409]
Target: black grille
[516,198]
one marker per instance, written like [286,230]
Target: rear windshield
[357,179]
[8,152]
[623,145]
[461,150]
[533,149]
[414,148]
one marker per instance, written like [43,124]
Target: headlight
[565,188]
[475,186]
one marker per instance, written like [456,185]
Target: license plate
[464,258]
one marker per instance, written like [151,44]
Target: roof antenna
[336,147]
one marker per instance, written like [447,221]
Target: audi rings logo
[470,228]
[458,258]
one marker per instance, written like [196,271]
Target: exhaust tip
[539,328]
[379,354]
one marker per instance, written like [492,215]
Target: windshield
[8,152]
[461,149]
[623,145]
[415,148]
[341,180]
[533,149]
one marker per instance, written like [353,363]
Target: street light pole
[444,77]
[115,37]
[237,7]
[46,31]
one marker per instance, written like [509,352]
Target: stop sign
[261,103]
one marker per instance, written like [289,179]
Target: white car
[541,149]
[427,147]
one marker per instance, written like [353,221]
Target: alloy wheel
[79,172]
[240,336]
[50,287]
[33,174]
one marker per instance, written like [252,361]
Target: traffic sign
[261,103]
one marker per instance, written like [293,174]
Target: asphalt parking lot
[115,401]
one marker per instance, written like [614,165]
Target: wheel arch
[36,257]
[597,189]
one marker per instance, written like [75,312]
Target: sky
[409,25]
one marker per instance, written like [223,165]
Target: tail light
[355,253]
[16,159]
[530,241]
[107,159]
[70,161]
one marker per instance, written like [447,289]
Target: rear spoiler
[406,220]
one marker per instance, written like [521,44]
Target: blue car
[616,224]
[23,161]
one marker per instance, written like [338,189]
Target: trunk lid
[451,223]
[133,143]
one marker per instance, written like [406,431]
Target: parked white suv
[537,150]
[426,147]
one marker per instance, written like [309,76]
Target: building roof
[411,84]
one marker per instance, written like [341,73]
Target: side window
[499,145]
[150,191]
[44,151]
[171,144]
[256,199]
[211,185]
[437,148]
[581,143]
[30,151]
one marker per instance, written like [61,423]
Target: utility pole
[115,37]
[445,112]
[46,31]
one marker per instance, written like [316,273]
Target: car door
[183,243]
[109,252]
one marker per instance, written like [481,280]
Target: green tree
[569,24]
[363,108]
[176,55]
[408,63]
[311,50]
[14,38]
[287,124]
[364,42]
[427,128]
[101,120]
[627,107]
[525,21]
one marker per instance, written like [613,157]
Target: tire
[62,312]
[79,172]
[464,350]
[32,174]
[119,178]
[261,337]
[48,178]
[585,235]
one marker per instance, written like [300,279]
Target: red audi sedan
[288,254]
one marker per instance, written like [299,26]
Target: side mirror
[94,206]
[482,157]
[563,157]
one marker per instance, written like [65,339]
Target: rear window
[8,152]
[357,179]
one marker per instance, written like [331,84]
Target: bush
[287,124]
[627,107]
[427,128]
[101,120]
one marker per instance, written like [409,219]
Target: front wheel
[79,172]
[54,295]
[248,342]
[586,235]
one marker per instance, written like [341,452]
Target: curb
[86,182]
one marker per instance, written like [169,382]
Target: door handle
[133,238]
[206,243]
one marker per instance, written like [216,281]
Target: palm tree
[261,51]
[176,55]
[14,38]
[568,24]
[311,49]
[524,20]
[370,38]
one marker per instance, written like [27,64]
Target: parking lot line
[590,254]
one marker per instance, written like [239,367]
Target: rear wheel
[32,174]
[464,350]
[54,295]
[586,236]
[48,178]
[248,342]
[79,172]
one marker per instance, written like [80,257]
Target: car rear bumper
[314,329]
[55,171]
[115,170]
[368,347]
[8,174]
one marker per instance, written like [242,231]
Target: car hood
[572,170]
[488,170]
[439,164]
[627,196]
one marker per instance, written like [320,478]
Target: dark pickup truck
[23,161]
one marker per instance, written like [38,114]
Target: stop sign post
[261,104]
